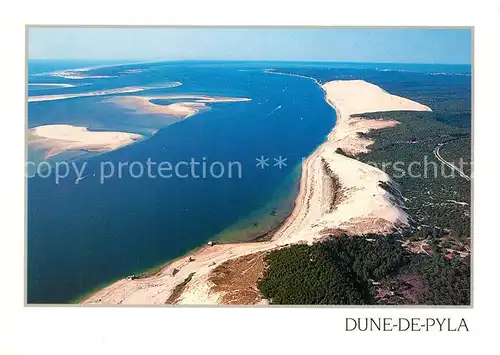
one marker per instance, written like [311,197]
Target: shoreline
[365,207]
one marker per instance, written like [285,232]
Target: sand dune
[61,138]
[361,205]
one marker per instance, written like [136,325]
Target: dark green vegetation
[341,151]
[433,265]
[355,270]
[435,195]
[443,281]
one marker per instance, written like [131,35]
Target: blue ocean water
[83,236]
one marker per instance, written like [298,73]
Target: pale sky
[447,46]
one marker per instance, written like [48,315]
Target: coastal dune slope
[337,193]
[362,205]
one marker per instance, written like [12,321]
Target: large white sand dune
[360,206]
[124,90]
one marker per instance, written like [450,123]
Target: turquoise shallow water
[84,235]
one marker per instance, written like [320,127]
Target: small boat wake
[275,109]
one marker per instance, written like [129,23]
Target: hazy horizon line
[140,61]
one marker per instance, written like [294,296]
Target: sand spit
[80,73]
[364,206]
[61,138]
[181,109]
[125,90]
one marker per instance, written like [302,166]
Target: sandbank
[181,109]
[60,138]
[52,84]
[125,90]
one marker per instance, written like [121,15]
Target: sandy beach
[337,193]
[143,104]
[60,138]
